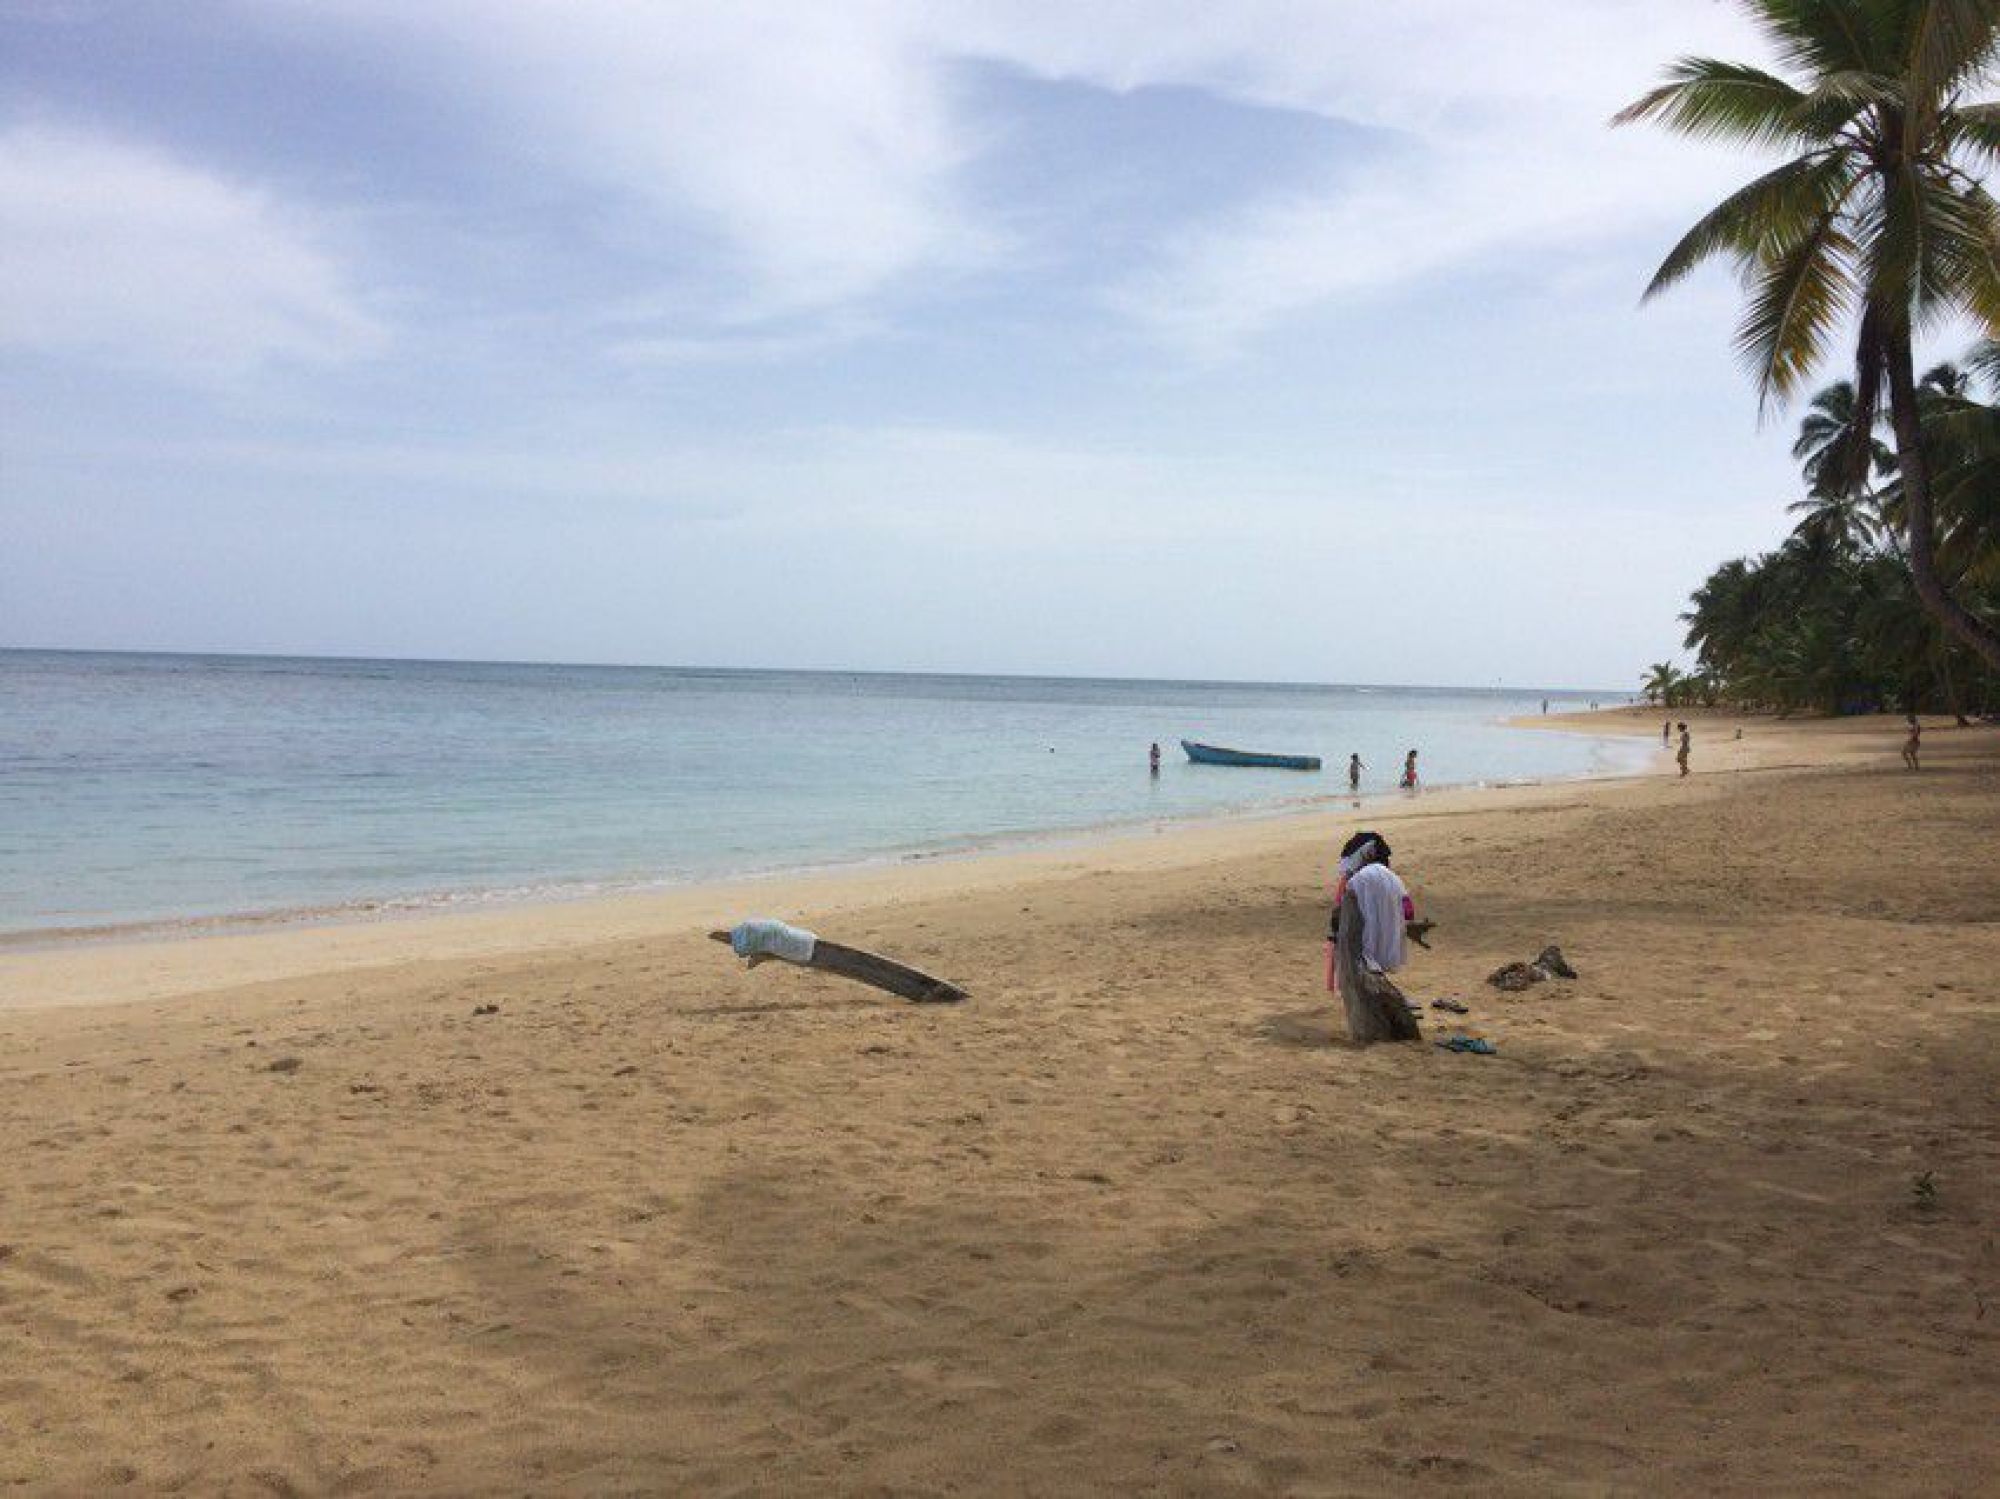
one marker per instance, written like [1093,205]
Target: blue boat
[1209,754]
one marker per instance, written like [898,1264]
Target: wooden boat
[1209,754]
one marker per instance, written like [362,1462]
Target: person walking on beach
[1914,744]
[1666,732]
[1681,755]
[1153,760]
[1354,769]
[1410,771]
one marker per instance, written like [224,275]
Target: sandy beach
[563,1200]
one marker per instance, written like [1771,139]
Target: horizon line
[824,671]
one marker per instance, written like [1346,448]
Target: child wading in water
[1410,771]
[1354,769]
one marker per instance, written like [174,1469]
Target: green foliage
[1831,621]
[1879,218]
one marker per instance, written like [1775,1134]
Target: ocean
[144,789]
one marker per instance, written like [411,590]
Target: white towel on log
[1378,892]
[772,939]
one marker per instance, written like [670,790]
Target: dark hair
[1366,837]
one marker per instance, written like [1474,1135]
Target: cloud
[120,253]
[810,158]
[1498,115]
[806,152]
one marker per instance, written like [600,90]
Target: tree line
[1831,621]
[1887,593]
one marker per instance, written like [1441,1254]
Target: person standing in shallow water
[1153,759]
[1681,755]
[1354,769]
[1410,771]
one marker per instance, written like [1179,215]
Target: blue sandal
[1477,1045]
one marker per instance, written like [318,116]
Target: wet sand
[285,1212]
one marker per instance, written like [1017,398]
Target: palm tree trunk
[1941,658]
[1916,476]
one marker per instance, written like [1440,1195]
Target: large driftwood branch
[1375,1008]
[872,969]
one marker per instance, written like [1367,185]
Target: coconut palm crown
[1879,220]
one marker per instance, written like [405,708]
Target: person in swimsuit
[1410,771]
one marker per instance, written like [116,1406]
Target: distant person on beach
[1153,758]
[1666,732]
[1681,755]
[1913,745]
[1410,771]
[1545,705]
[1354,769]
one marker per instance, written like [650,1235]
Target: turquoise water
[149,788]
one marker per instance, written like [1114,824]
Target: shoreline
[366,910]
[99,967]
[445,903]
[146,961]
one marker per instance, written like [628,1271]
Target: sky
[1266,341]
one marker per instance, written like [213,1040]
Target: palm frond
[1983,359]
[1796,300]
[1760,219]
[1713,100]
[1949,41]
[1975,128]
[1964,241]
[1818,36]
[1848,89]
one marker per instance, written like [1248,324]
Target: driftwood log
[869,968]
[1375,1007]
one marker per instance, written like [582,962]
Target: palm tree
[1964,434]
[1881,214]
[1838,453]
[1662,683]
[1843,524]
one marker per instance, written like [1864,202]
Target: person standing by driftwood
[1367,943]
